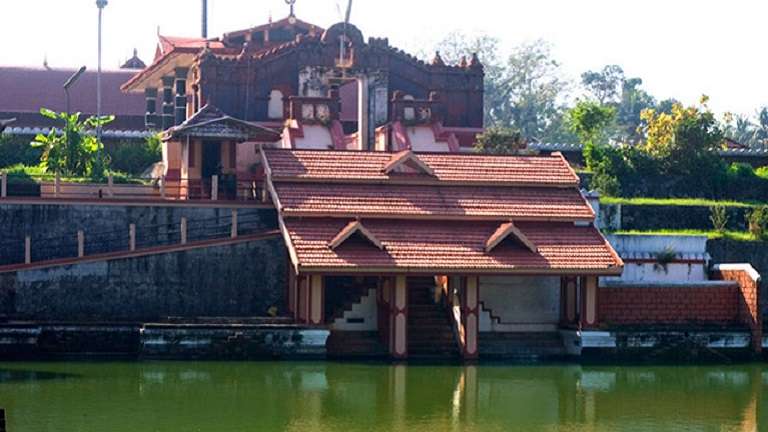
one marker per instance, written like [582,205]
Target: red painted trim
[159,202]
[139,252]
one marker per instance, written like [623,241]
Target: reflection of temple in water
[533,398]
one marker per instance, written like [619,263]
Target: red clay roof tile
[420,201]
[357,166]
[451,247]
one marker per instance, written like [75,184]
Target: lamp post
[70,82]
[99,4]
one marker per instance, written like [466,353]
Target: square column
[398,319]
[569,307]
[316,300]
[589,301]
[310,291]
[470,301]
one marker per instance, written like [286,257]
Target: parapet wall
[706,304]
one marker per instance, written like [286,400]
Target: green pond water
[281,396]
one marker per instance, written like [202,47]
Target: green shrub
[15,149]
[757,221]
[762,172]
[719,217]
[134,157]
[25,174]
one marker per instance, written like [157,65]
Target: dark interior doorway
[211,159]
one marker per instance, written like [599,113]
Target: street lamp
[70,82]
[101,4]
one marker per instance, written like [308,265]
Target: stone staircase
[521,346]
[430,332]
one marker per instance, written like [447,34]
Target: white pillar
[80,244]
[162,187]
[215,188]
[363,112]
[132,237]
[27,250]
[234,223]
[4,186]
[399,319]
[110,185]
[57,185]
[316,300]
[183,230]
[470,314]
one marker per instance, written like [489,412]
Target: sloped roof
[368,167]
[451,247]
[455,221]
[24,90]
[432,201]
[211,122]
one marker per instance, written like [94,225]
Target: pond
[325,396]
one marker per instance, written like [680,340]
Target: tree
[605,85]
[760,137]
[628,117]
[685,140]
[533,93]
[500,140]
[72,151]
[588,120]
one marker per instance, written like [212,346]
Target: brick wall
[669,305]
[749,297]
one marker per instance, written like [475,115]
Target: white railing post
[80,243]
[132,237]
[183,230]
[110,185]
[234,223]
[4,185]
[57,185]
[162,187]
[27,250]
[215,188]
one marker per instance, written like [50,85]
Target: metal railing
[79,244]
[137,189]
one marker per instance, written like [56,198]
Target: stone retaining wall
[235,280]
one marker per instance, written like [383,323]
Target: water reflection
[336,396]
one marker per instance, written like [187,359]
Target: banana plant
[73,150]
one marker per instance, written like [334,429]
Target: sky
[680,48]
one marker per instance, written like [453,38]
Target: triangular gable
[355,227]
[505,231]
[405,159]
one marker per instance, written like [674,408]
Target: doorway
[211,159]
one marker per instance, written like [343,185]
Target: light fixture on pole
[70,82]
[101,4]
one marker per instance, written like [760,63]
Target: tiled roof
[211,122]
[395,201]
[448,168]
[24,90]
[450,247]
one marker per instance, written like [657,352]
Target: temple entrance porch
[445,317]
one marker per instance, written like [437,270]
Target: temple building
[315,88]
[381,230]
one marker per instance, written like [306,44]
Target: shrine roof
[447,247]
[467,169]
[432,202]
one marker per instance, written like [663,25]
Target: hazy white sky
[681,48]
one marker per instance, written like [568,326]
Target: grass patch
[25,174]
[711,234]
[697,202]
